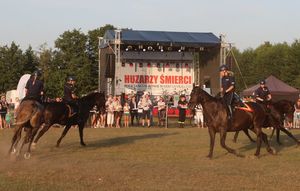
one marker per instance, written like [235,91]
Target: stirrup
[72,114]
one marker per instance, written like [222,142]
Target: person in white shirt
[161,107]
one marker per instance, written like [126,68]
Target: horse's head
[194,97]
[100,100]
[286,109]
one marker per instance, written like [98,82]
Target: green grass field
[148,159]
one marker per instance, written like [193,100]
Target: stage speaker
[110,62]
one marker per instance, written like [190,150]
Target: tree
[72,48]
[93,47]
[11,66]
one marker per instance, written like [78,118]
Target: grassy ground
[148,159]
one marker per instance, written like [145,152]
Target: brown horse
[29,116]
[279,111]
[32,116]
[215,112]
[59,113]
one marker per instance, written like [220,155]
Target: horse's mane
[207,95]
[90,95]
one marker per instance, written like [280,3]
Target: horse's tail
[27,117]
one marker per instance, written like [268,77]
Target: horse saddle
[243,106]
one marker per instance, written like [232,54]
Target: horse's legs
[66,129]
[258,133]
[235,136]
[222,141]
[212,135]
[30,139]
[246,133]
[272,133]
[80,128]
[265,139]
[277,135]
[26,139]
[44,129]
[15,139]
[289,134]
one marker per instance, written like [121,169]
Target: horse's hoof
[83,144]
[272,151]
[240,155]
[33,145]
[13,151]
[27,155]
[209,156]
[252,157]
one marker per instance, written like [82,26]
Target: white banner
[156,78]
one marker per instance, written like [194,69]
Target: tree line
[281,60]
[76,53]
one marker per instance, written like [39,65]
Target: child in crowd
[126,110]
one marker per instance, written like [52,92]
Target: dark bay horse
[28,116]
[279,111]
[215,112]
[59,113]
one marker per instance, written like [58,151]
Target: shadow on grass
[284,139]
[125,140]
[75,147]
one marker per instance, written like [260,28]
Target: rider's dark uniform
[34,89]
[262,92]
[226,82]
[69,89]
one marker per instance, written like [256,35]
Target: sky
[245,23]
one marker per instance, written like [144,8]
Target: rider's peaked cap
[37,73]
[71,78]
[223,67]
[262,82]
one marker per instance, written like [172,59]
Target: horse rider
[70,97]
[34,88]
[263,95]
[227,88]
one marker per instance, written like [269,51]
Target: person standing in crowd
[133,111]
[1,123]
[110,112]
[34,88]
[199,116]
[161,107]
[146,104]
[263,95]
[182,106]
[70,96]
[296,121]
[227,88]
[94,117]
[102,113]
[117,110]
[3,111]
[126,110]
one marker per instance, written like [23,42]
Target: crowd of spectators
[7,112]
[133,110]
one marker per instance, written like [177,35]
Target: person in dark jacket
[182,106]
[70,96]
[34,88]
[263,95]
[227,88]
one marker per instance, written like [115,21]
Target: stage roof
[190,39]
